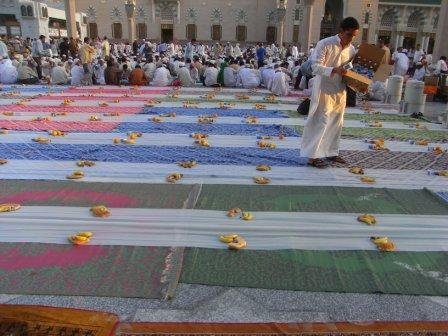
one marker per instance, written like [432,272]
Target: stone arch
[333,15]
[389,18]
[416,19]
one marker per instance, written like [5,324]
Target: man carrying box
[323,129]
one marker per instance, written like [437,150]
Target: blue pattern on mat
[220,112]
[152,154]
[224,129]
[443,195]
[32,88]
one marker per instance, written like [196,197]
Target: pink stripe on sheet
[107,99]
[70,109]
[118,90]
[66,126]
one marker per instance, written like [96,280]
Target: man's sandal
[318,163]
[337,159]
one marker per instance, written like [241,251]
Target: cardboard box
[368,56]
[431,80]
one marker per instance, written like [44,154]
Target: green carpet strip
[320,199]
[81,194]
[412,273]
[391,134]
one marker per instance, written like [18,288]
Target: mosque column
[70,13]
[307,23]
[441,43]
[130,10]
[281,13]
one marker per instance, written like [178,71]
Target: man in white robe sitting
[183,74]
[322,132]
[211,74]
[248,77]
[162,76]
[280,82]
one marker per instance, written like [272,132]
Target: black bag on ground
[351,97]
[304,107]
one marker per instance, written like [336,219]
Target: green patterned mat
[320,199]
[366,117]
[90,270]
[412,273]
[82,194]
[334,271]
[390,134]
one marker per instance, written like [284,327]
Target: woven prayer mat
[21,320]
[90,270]
[366,117]
[384,159]
[350,271]
[86,194]
[390,134]
[277,329]
[320,199]
[69,109]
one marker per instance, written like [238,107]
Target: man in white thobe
[230,77]
[183,74]
[237,51]
[162,76]
[8,72]
[323,128]
[248,77]
[280,83]
[211,74]
[401,64]
[267,75]
[3,49]
[58,75]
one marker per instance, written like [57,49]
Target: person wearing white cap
[280,82]
[248,77]
[3,49]
[98,72]
[230,74]
[420,71]
[162,76]
[26,72]
[8,72]
[294,52]
[401,64]
[237,51]
[267,75]
[149,68]
[77,72]
[183,74]
[58,75]
[211,74]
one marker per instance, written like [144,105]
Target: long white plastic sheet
[194,120]
[201,228]
[163,139]
[220,174]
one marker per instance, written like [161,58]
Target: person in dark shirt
[63,47]
[112,74]
[261,53]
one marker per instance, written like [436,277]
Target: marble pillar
[307,22]
[441,43]
[70,12]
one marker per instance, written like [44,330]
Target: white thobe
[3,50]
[77,73]
[267,76]
[8,72]
[418,54]
[149,69]
[401,65]
[59,75]
[280,84]
[295,52]
[248,78]
[98,71]
[419,74]
[237,51]
[183,74]
[230,77]
[162,77]
[323,128]
[211,76]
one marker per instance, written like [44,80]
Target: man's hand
[339,71]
